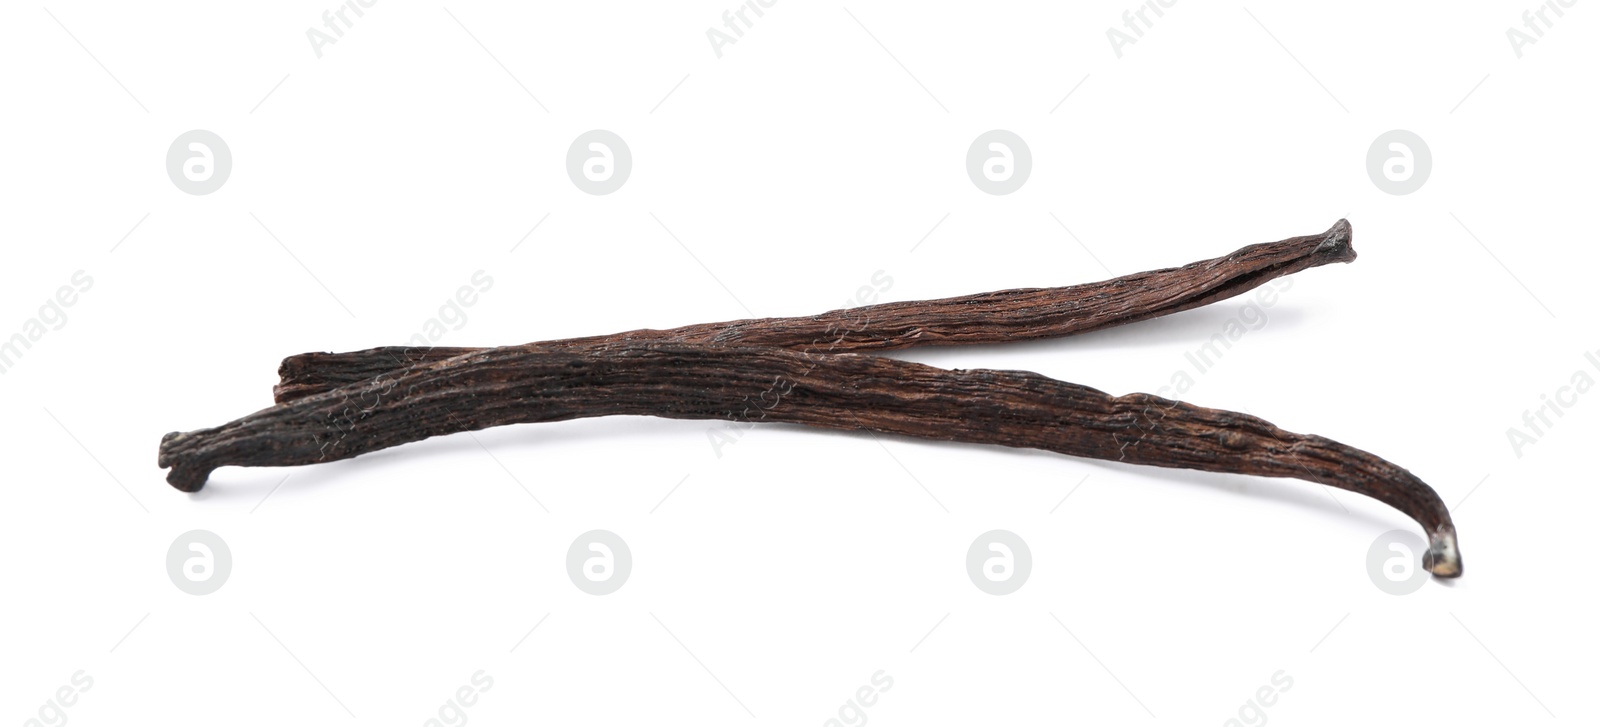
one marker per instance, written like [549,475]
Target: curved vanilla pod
[998,317]
[525,384]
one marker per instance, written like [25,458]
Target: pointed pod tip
[1336,242]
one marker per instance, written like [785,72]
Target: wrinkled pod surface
[526,384]
[997,317]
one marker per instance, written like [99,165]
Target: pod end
[1444,557]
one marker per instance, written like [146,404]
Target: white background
[772,582]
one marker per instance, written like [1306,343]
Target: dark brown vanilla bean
[768,384]
[998,317]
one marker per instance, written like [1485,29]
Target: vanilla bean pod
[1002,316]
[768,384]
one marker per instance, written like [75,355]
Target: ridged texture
[765,384]
[801,370]
[998,317]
